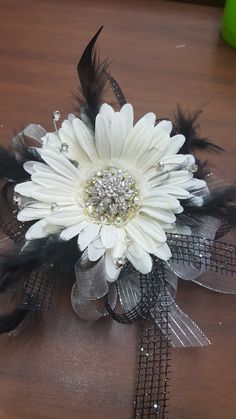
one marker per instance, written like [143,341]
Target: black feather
[220,203]
[51,254]
[11,169]
[55,256]
[203,169]
[11,162]
[187,124]
[10,321]
[92,79]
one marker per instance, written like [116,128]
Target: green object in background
[228,26]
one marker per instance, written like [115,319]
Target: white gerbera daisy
[118,191]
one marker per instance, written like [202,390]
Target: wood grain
[162,53]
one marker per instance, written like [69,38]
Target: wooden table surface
[162,53]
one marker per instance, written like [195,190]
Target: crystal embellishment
[64,147]
[112,196]
[56,115]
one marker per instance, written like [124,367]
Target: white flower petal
[142,264]
[24,188]
[152,157]
[118,134]
[98,243]
[108,236]
[72,231]
[60,164]
[197,184]
[52,180]
[29,166]
[136,250]
[67,127]
[179,210]
[72,136]
[175,191]
[174,161]
[161,135]
[51,139]
[51,195]
[136,234]
[40,229]
[128,114]
[66,217]
[95,253]
[119,247]
[137,141]
[196,201]
[87,235]
[163,252]
[73,151]
[28,213]
[102,136]
[176,142]
[161,200]
[165,126]
[166,216]
[107,110]
[179,177]
[111,269]
[42,168]
[83,135]
[139,127]
[181,229]
[150,227]
[150,118]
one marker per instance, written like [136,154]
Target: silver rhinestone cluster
[111,196]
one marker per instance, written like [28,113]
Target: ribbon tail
[153,363]
[217,283]
[183,332]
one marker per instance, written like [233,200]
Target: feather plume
[188,125]
[92,79]
[49,254]
[11,169]
[10,321]
[220,203]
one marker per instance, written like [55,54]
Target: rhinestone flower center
[111,196]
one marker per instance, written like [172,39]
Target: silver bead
[120,262]
[137,200]
[118,220]
[64,147]
[90,209]
[56,115]
[17,198]
[54,206]
[75,163]
[193,168]
[160,165]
